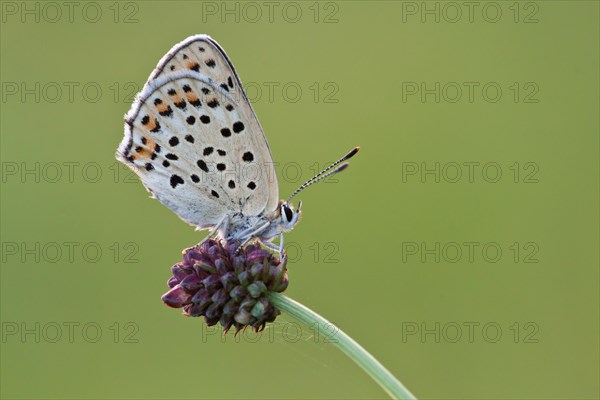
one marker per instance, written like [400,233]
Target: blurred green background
[463,282]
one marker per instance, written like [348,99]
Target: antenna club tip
[342,167]
[352,153]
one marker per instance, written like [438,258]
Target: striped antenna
[324,174]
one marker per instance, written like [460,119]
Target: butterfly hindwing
[194,149]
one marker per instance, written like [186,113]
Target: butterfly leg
[224,223]
[270,245]
[273,246]
[251,234]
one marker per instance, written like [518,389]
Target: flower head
[224,285]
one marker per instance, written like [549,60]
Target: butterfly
[195,142]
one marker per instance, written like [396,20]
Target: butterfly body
[195,142]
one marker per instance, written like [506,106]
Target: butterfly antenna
[327,172]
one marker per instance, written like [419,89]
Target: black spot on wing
[248,156]
[176,180]
[202,165]
[238,127]
[225,132]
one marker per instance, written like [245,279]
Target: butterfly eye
[287,211]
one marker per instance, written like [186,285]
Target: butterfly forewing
[197,149]
[203,55]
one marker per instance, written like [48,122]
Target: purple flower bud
[172,282]
[243,317]
[258,255]
[227,286]
[257,289]
[177,297]
[191,283]
[178,271]
[259,309]
[238,293]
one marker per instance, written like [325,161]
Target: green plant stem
[359,355]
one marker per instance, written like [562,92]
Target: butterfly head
[288,216]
